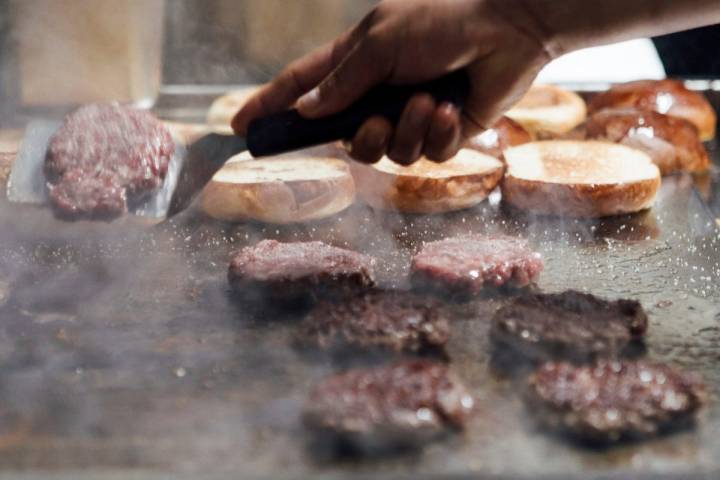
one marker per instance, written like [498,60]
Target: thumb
[367,65]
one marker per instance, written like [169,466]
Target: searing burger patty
[466,265]
[570,326]
[613,400]
[401,405]
[273,270]
[395,321]
[104,156]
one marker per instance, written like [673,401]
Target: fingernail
[310,101]
[448,109]
[449,113]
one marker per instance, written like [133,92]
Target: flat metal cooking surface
[121,349]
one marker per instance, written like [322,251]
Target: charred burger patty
[612,400]
[400,405]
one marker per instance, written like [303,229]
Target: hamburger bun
[504,134]
[579,179]
[672,142]
[669,97]
[547,111]
[224,108]
[428,187]
[278,190]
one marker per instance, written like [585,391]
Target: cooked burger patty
[613,400]
[293,271]
[103,156]
[393,320]
[401,405]
[570,326]
[466,265]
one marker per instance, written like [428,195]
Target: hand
[407,42]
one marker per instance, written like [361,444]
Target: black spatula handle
[287,131]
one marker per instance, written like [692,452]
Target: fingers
[372,140]
[444,136]
[409,137]
[295,80]
[368,64]
[423,129]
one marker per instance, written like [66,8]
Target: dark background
[695,53]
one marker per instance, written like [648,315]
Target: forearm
[567,25]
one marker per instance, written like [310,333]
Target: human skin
[502,45]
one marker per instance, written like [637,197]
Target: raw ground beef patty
[104,156]
[273,270]
[466,265]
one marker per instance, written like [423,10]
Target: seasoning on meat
[466,265]
[104,156]
[614,400]
[571,326]
[272,270]
[396,321]
[405,404]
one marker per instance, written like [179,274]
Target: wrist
[523,17]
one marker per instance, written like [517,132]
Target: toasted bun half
[428,187]
[224,108]
[672,142]
[279,190]
[504,134]
[548,111]
[579,179]
[670,97]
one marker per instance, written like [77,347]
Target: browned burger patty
[104,156]
[614,400]
[466,265]
[272,270]
[394,321]
[571,326]
[401,405]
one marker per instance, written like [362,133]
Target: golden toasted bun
[672,142]
[428,187]
[579,179]
[670,97]
[224,108]
[6,163]
[279,190]
[9,145]
[548,111]
[504,134]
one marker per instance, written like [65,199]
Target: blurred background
[59,52]
[56,53]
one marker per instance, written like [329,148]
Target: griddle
[123,355]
